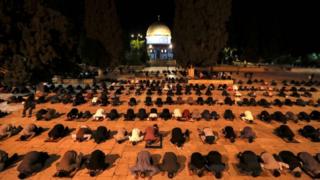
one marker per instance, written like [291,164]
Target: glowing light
[170,46]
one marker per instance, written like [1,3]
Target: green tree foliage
[102,27]
[42,37]
[199,31]
[137,55]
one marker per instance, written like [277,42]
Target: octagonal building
[159,45]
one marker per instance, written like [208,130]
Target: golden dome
[158,29]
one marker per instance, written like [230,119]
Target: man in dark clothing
[73,114]
[206,115]
[142,114]
[228,115]
[178,138]
[113,114]
[165,114]
[132,102]
[57,132]
[96,163]
[159,102]
[310,164]
[265,116]
[5,160]
[29,104]
[214,163]
[170,164]
[284,132]
[229,133]
[32,163]
[101,134]
[130,115]
[309,131]
[293,162]
[197,164]
[249,163]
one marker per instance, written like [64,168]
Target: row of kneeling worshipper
[152,135]
[197,164]
[187,115]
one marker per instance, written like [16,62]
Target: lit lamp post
[137,39]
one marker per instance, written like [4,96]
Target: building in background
[159,45]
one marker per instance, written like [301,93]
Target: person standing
[29,104]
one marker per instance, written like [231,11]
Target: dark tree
[41,36]
[17,73]
[103,30]
[199,31]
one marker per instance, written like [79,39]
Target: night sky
[137,15]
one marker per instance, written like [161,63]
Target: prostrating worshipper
[169,100]
[136,136]
[179,100]
[247,116]
[206,115]
[285,133]
[249,163]
[279,116]
[165,114]
[99,115]
[200,101]
[178,138]
[215,115]
[148,101]
[130,115]
[207,135]
[101,134]
[132,102]
[159,102]
[186,115]
[248,133]
[96,163]
[84,133]
[121,136]
[116,101]
[30,131]
[69,164]
[196,115]
[303,116]
[79,99]
[315,115]
[228,101]
[142,114]
[209,101]
[228,115]
[265,116]
[8,130]
[94,101]
[271,164]
[190,101]
[144,166]
[177,114]
[113,115]
[229,133]
[73,114]
[310,164]
[170,164]
[29,105]
[57,132]
[293,161]
[32,163]
[311,133]
[291,116]
[153,115]
[5,160]
[214,164]
[197,164]
[152,136]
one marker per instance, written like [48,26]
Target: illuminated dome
[158,29]
[158,33]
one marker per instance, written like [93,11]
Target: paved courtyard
[123,155]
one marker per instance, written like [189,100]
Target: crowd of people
[170,92]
